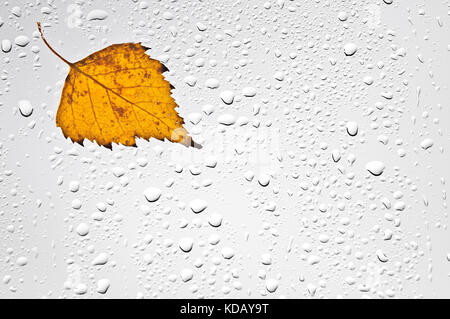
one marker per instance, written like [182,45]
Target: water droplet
[198,205]
[350,49]
[25,108]
[376,168]
[152,194]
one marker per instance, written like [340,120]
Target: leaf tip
[196,145]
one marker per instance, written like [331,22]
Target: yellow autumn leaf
[117,94]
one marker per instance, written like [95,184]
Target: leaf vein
[123,70]
[123,98]
[114,112]
[93,109]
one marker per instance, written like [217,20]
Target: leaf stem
[48,45]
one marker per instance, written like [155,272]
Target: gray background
[322,224]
